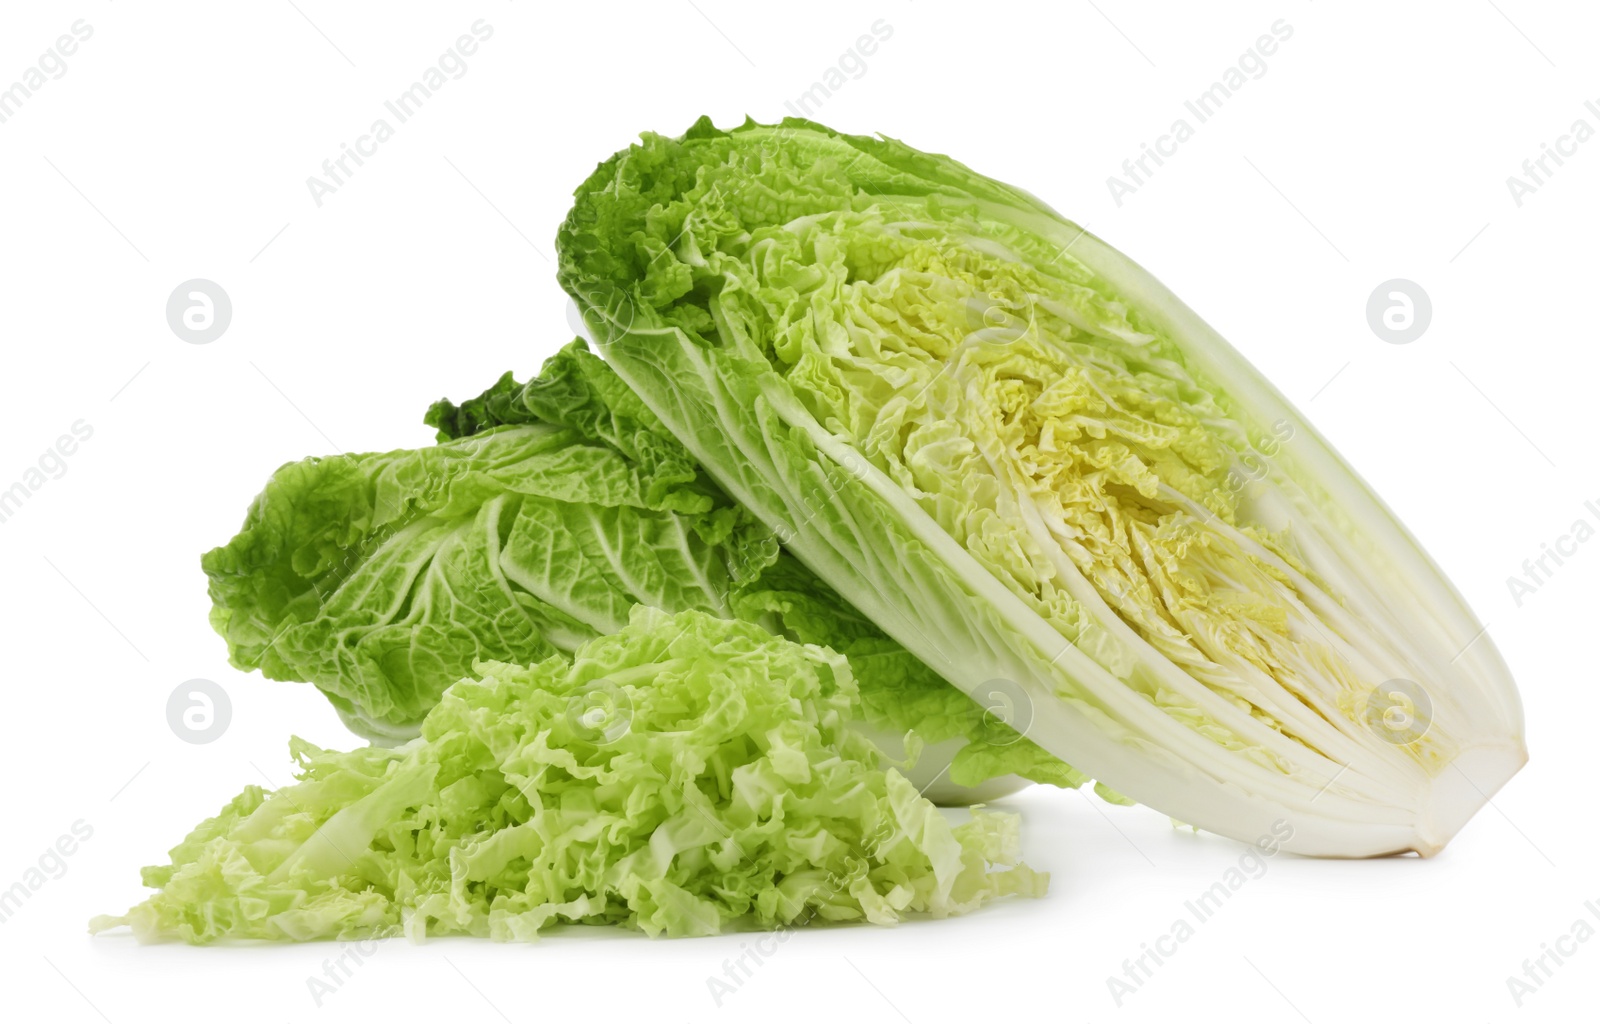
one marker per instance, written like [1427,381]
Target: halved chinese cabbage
[1028,462]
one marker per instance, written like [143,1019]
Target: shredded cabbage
[683,775]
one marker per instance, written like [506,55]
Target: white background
[1376,146]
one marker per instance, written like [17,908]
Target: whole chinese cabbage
[547,512]
[683,774]
[1025,460]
